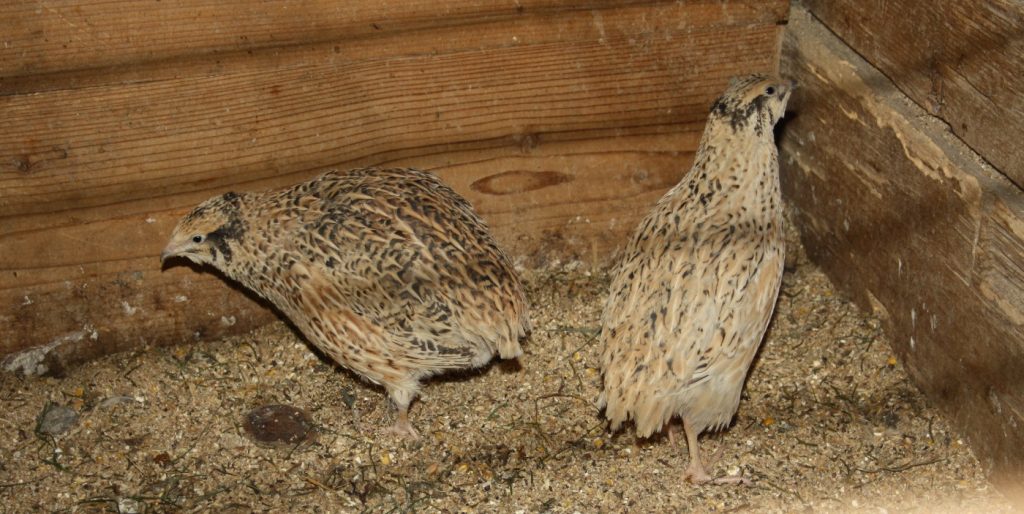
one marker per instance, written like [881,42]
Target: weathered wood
[303,110]
[913,224]
[962,61]
[561,129]
[44,38]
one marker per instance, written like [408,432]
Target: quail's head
[206,235]
[752,103]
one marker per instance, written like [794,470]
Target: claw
[403,428]
[695,473]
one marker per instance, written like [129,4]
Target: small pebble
[128,506]
[56,420]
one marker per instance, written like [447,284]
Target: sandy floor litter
[829,423]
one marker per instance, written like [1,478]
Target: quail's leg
[695,472]
[402,425]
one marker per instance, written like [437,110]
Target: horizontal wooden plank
[912,223]
[961,61]
[561,129]
[109,145]
[56,36]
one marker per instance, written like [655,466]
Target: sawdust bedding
[829,423]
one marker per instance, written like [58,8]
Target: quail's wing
[666,328]
[665,321]
[733,297]
[653,346]
[358,341]
[465,286]
[394,248]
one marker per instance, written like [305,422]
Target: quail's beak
[787,87]
[171,250]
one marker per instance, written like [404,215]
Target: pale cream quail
[692,297]
[388,271]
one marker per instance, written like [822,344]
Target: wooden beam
[107,145]
[561,129]
[45,38]
[913,224]
[961,61]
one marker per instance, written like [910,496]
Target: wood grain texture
[561,128]
[301,110]
[907,219]
[961,61]
[54,36]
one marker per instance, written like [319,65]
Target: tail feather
[648,412]
[509,345]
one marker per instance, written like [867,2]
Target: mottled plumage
[692,297]
[390,272]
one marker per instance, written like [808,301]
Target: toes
[696,476]
[405,430]
[737,480]
[705,479]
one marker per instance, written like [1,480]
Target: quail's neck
[734,160]
[732,176]
[250,260]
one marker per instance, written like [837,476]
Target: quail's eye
[770,91]
[197,239]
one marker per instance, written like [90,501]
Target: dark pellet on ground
[278,424]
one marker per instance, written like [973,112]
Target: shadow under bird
[691,299]
[388,271]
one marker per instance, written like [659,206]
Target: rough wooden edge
[960,61]
[912,223]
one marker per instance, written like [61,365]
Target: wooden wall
[904,161]
[562,121]
[961,61]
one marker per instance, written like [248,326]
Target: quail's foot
[700,477]
[695,472]
[403,427]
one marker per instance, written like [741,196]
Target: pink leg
[402,426]
[695,472]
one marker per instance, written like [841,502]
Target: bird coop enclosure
[562,122]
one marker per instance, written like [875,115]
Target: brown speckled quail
[692,297]
[388,271]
